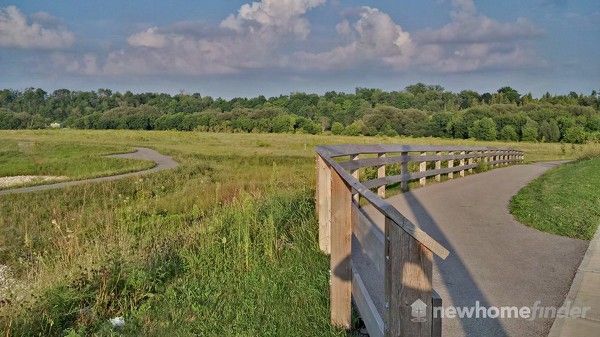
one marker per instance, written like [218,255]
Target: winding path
[141,153]
[493,258]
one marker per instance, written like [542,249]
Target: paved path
[584,293]
[493,259]
[141,153]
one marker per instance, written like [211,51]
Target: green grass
[223,245]
[61,158]
[563,201]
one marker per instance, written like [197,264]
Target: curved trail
[141,153]
[493,258]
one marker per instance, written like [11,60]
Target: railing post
[461,164]
[404,172]
[355,174]
[423,168]
[407,283]
[450,164]
[381,174]
[341,264]
[470,161]
[485,156]
[324,203]
[438,165]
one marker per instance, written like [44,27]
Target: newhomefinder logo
[419,311]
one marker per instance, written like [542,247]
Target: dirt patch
[21,180]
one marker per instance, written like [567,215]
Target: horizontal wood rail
[400,253]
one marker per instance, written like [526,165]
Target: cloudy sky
[271,47]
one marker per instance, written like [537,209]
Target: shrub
[508,132]
[483,129]
[575,135]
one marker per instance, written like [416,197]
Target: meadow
[225,244]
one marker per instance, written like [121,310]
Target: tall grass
[224,245]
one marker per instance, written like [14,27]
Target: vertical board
[381,174]
[341,264]
[423,168]
[462,163]
[324,204]
[355,174]
[451,164]
[404,171]
[438,165]
[407,284]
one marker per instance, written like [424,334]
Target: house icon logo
[418,311]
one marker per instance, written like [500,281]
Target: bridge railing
[402,254]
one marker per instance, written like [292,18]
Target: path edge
[583,294]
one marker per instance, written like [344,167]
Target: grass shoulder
[563,201]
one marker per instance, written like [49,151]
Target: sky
[272,47]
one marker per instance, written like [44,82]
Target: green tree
[575,135]
[529,131]
[337,128]
[509,133]
[483,129]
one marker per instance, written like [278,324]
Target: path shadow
[460,284]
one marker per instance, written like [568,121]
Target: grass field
[563,201]
[223,245]
[27,156]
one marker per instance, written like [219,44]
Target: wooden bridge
[387,273]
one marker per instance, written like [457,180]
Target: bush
[337,128]
[508,132]
[483,129]
[575,135]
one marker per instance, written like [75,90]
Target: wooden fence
[386,271]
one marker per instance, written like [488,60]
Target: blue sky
[272,47]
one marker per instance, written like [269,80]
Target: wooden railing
[385,270]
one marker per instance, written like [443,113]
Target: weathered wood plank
[323,203]
[341,238]
[381,174]
[438,166]
[366,307]
[423,168]
[461,164]
[407,281]
[356,174]
[404,173]
[369,237]
[470,162]
[413,176]
[387,209]
[450,165]
[388,160]
[349,149]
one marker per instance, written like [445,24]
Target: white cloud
[250,39]
[41,31]
[376,38]
[266,35]
[472,41]
[148,38]
[273,16]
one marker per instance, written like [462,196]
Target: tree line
[418,110]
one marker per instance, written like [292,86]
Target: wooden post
[450,164]
[404,172]
[423,168]
[470,162]
[341,264]
[355,174]
[324,203]
[438,165]
[381,174]
[407,281]
[462,163]
[485,156]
